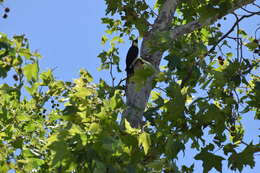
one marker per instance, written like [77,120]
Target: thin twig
[238,46]
[247,10]
[186,79]
[256,5]
[244,143]
[238,100]
[161,89]
[241,50]
[256,31]
[231,30]
[121,82]
[135,15]
[52,70]
[152,10]
[111,74]
[219,48]
[233,38]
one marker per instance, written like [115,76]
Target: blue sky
[68,36]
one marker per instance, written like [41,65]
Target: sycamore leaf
[31,127]
[100,167]
[83,92]
[145,141]
[176,105]
[117,39]
[207,12]
[32,89]
[74,130]
[210,161]
[156,165]
[61,151]
[104,39]
[143,70]
[26,53]
[31,72]
[47,77]
[130,129]
[95,128]
[22,117]
[35,162]
[173,147]
[229,148]
[69,112]
[85,75]
[251,45]
[244,158]
[116,100]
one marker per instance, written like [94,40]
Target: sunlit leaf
[31,71]
[145,141]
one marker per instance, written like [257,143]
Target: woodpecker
[132,54]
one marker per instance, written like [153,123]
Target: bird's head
[135,42]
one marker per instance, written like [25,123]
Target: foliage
[49,125]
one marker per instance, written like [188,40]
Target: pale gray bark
[136,100]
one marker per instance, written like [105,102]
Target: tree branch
[194,25]
[232,29]
[189,74]
[165,16]
[136,100]
[151,9]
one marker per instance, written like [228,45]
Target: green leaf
[31,127]
[33,89]
[209,161]
[26,53]
[53,138]
[252,45]
[206,12]
[70,110]
[74,130]
[85,75]
[156,164]
[130,129]
[60,150]
[142,73]
[18,39]
[116,101]
[22,117]
[104,39]
[243,33]
[31,72]
[173,147]
[95,128]
[117,39]
[47,77]
[244,158]
[145,141]
[229,55]
[176,105]
[100,167]
[4,168]
[83,92]
[35,162]
[229,148]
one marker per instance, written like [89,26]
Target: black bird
[131,56]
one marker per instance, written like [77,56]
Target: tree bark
[136,100]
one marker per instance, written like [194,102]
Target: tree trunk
[136,100]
